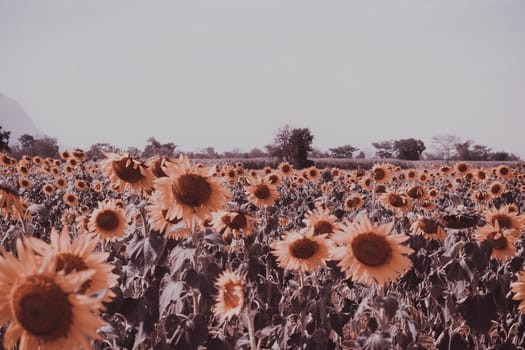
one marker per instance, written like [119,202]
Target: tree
[409,149]
[154,147]
[26,141]
[4,140]
[385,149]
[469,151]
[292,145]
[445,146]
[95,152]
[345,151]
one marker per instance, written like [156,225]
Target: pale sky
[229,73]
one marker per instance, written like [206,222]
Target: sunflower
[320,221]
[274,179]
[24,183]
[445,170]
[262,193]
[366,183]
[505,219]
[381,173]
[156,163]
[108,220]
[61,182]
[124,171]
[70,199]
[395,200]
[430,228]
[80,255]
[370,253]
[502,240]
[503,172]
[411,174]
[462,168]
[159,222]
[417,192]
[65,155]
[9,201]
[354,201]
[79,154]
[189,191]
[496,189]
[301,252]
[481,175]
[48,189]
[234,222]
[230,300]
[312,173]
[81,185]
[480,196]
[43,308]
[518,288]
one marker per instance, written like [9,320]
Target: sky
[230,73]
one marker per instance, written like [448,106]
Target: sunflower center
[498,240]
[238,222]
[379,174]
[495,189]
[323,226]
[262,191]
[428,225]
[126,171]
[396,200]
[42,308]
[70,198]
[504,171]
[304,248]
[232,294]
[462,168]
[107,220]
[353,202]
[503,220]
[371,249]
[415,192]
[192,190]
[286,169]
[273,179]
[481,195]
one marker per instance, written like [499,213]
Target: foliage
[345,151]
[445,146]
[385,149]
[154,147]
[292,145]
[408,149]
[36,146]
[4,140]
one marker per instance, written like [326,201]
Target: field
[124,253]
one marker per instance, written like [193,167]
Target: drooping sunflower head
[230,298]
[301,252]
[354,201]
[430,228]
[234,222]
[502,240]
[127,172]
[395,200]
[505,219]
[369,253]
[108,220]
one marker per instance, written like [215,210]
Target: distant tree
[293,146]
[318,153]
[256,153]
[154,147]
[444,146]
[409,149]
[469,151]
[26,141]
[345,151]
[4,140]
[385,149]
[503,156]
[95,152]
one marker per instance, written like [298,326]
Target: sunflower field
[129,253]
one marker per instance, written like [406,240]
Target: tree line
[289,144]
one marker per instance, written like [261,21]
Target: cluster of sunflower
[365,223]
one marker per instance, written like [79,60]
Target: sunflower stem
[301,278]
[251,329]
[195,241]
